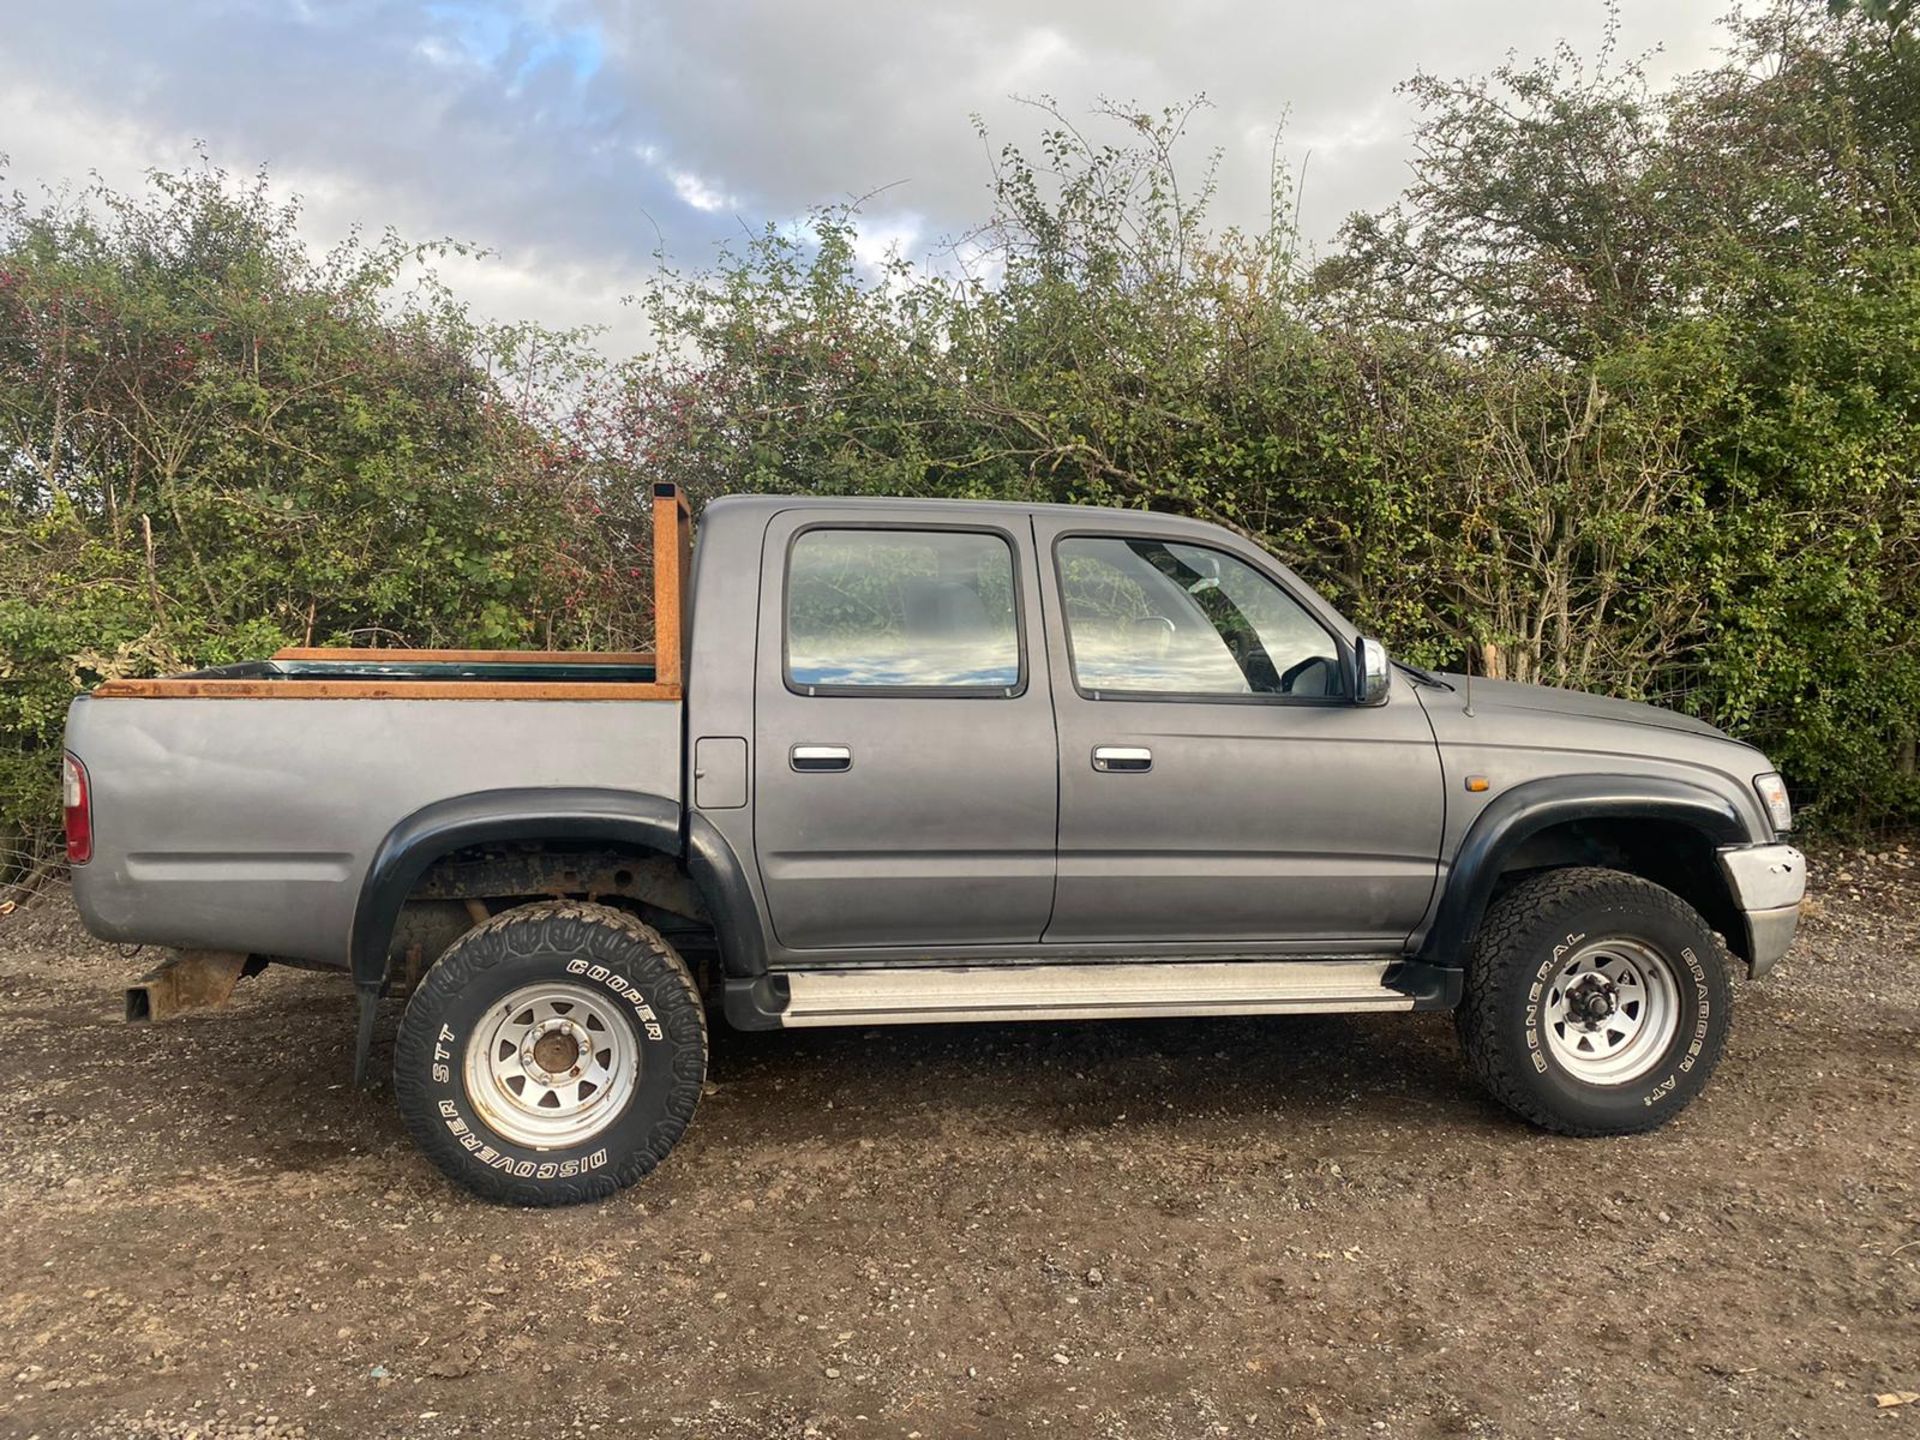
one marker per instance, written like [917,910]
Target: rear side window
[902,610]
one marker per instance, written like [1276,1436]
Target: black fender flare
[439,829]
[722,882]
[1530,807]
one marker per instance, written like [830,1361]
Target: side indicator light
[1478,783]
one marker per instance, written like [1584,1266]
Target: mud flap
[363,1043]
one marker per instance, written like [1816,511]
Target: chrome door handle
[1110,758]
[811,758]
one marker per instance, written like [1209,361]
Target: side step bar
[1090,991]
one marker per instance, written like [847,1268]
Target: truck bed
[250,827]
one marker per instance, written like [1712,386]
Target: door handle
[809,759]
[1110,758]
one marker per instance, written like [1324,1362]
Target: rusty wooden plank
[187,689]
[468,657]
[671,526]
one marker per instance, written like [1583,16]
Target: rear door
[1217,785]
[906,781]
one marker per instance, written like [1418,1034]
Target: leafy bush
[218,444]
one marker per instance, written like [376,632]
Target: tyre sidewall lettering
[496,1159]
[1703,1014]
[646,1119]
[1693,993]
[626,989]
[1536,1051]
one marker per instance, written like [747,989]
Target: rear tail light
[77,799]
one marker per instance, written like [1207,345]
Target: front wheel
[1597,1003]
[554,1054]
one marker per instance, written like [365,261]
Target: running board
[1088,991]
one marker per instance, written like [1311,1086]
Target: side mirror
[1372,674]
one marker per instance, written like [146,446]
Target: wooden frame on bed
[672,561]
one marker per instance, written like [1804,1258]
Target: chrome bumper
[1768,883]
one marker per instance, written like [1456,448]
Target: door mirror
[1372,673]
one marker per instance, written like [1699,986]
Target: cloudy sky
[575,138]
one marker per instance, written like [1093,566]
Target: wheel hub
[554,1048]
[1612,1010]
[1592,999]
[552,1065]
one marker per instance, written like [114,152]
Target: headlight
[1773,795]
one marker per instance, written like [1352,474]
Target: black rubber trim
[722,883]
[487,816]
[1530,808]
[755,1003]
[369,996]
[1433,987]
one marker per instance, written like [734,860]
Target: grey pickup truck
[902,761]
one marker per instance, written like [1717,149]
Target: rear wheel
[554,1054]
[1597,1003]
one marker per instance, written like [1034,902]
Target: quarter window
[902,610]
[1153,617]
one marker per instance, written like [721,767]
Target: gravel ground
[1310,1226]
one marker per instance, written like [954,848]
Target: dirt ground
[1311,1226]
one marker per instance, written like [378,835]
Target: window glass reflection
[1155,617]
[901,609]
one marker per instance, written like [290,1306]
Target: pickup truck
[904,761]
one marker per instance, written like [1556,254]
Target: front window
[902,610]
[1156,617]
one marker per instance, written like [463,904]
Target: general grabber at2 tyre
[552,1055]
[1597,1003]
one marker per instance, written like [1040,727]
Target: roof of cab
[775,503]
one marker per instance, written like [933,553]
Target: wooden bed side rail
[185,688]
[467,657]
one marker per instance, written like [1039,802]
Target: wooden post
[672,552]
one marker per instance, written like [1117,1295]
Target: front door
[905,766]
[1216,783]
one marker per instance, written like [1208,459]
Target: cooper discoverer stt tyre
[1597,1003]
[552,1055]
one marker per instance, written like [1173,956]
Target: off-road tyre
[632,976]
[1527,938]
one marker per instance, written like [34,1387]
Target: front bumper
[1768,882]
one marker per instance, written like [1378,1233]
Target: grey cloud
[563,132]
[794,103]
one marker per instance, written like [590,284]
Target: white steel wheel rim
[552,1065]
[1611,1011]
